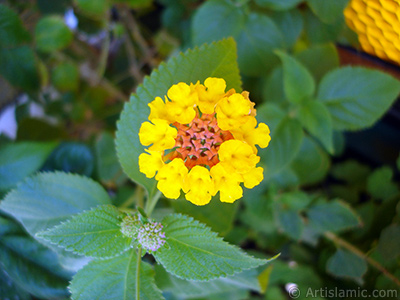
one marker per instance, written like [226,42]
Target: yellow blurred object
[377,23]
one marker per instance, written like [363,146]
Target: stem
[104,54]
[151,203]
[138,264]
[337,240]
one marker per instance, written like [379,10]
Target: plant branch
[151,203]
[337,240]
[138,265]
[104,53]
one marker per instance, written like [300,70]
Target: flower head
[203,141]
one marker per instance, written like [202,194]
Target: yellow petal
[158,110]
[253,178]
[150,163]
[160,134]
[227,182]
[238,155]
[251,135]
[171,177]
[233,111]
[198,186]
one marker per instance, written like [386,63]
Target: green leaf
[33,267]
[326,55]
[290,222]
[298,83]
[351,171]
[114,279]
[71,157]
[296,200]
[218,215]
[278,4]
[311,163]
[19,160]
[65,77]
[9,289]
[12,31]
[214,60]
[94,233]
[318,32]
[380,184]
[93,8]
[215,20]
[332,216]
[52,34]
[186,289]
[389,242]
[272,90]
[328,11]
[316,119]
[357,97]
[290,23]
[256,43]
[107,165]
[18,66]
[196,253]
[285,143]
[47,199]
[346,264]
[256,34]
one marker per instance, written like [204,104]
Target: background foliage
[331,210]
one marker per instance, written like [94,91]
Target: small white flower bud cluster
[130,226]
[149,234]
[151,237]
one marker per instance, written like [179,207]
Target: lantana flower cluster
[202,140]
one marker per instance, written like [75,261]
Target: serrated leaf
[19,160]
[357,97]
[346,264]
[218,215]
[316,119]
[186,289]
[33,267]
[332,216]
[298,82]
[196,253]
[47,199]
[114,279]
[290,222]
[214,60]
[94,233]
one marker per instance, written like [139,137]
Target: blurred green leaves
[52,34]
[20,160]
[256,34]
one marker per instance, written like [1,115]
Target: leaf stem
[151,203]
[138,265]
[104,53]
[337,240]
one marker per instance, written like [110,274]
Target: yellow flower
[377,24]
[198,185]
[160,134]
[203,141]
[171,177]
